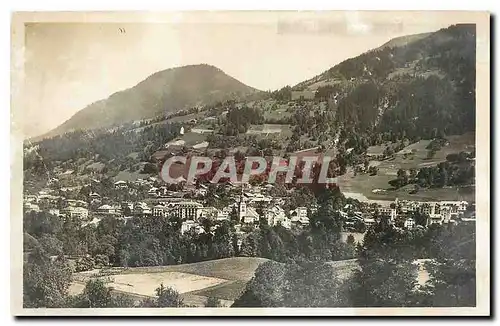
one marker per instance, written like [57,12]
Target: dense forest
[239,119]
[386,276]
[421,90]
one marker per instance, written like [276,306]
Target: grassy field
[223,279]
[145,284]
[235,268]
[265,129]
[378,188]
[227,291]
[281,112]
[192,138]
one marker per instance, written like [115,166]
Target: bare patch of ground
[223,279]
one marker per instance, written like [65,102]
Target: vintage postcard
[250,163]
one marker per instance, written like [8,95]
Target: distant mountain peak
[403,46]
[165,91]
[402,40]
[421,84]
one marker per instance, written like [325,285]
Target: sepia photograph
[250,163]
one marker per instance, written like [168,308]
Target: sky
[72,62]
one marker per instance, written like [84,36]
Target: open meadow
[414,156]
[223,279]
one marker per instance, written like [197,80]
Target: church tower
[242,204]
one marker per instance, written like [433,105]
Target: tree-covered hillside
[424,88]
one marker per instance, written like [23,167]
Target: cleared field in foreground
[227,291]
[234,268]
[145,284]
[224,279]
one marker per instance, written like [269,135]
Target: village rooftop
[253,165]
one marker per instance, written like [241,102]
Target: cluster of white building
[273,214]
[161,191]
[438,212]
[192,212]
[251,208]
[50,203]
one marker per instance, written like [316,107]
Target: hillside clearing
[413,156]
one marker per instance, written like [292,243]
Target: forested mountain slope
[423,87]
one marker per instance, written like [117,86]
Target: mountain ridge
[372,89]
[163,92]
[392,43]
[397,89]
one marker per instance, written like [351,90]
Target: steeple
[242,205]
